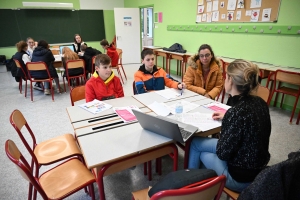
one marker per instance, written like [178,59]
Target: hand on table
[181,86]
[218,115]
[206,95]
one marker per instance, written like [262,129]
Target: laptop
[169,128]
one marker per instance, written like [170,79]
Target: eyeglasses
[206,55]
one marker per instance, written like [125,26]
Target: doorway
[147,26]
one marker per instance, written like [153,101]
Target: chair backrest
[22,165]
[93,63]
[37,66]
[71,64]
[55,50]
[77,93]
[208,189]
[19,66]
[262,92]
[287,77]
[120,52]
[18,121]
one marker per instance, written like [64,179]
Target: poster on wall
[200,9]
[255,3]
[230,15]
[208,6]
[127,21]
[238,15]
[204,17]
[215,16]
[200,2]
[208,17]
[215,5]
[231,5]
[198,18]
[240,4]
[223,16]
[222,5]
[266,13]
[254,15]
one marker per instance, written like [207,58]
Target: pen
[181,91]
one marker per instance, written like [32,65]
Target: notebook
[169,128]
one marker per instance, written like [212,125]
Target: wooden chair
[93,65]
[231,194]
[56,183]
[74,64]
[77,93]
[21,79]
[120,65]
[289,78]
[207,189]
[262,92]
[46,152]
[38,66]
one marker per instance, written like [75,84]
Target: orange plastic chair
[231,194]
[73,64]
[39,66]
[77,93]
[120,65]
[46,152]
[285,77]
[21,79]
[207,189]
[56,183]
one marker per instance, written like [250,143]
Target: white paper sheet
[200,9]
[240,4]
[266,14]
[238,15]
[231,5]
[204,17]
[167,93]
[208,6]
[159,109]
[200,2]
[208,17]
[254,15]
[187,106]
[248,13]
[203,121]
[215,5]
[215,16]
[230,15]
[255,4]
[198,18]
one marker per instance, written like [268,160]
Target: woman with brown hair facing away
[204,75]
[68,54]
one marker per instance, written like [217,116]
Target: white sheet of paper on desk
[95,106]
[203,121]
[187,106]
[167,93]
[159,108]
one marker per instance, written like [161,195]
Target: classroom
[271,45]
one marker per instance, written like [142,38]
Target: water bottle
[178,111]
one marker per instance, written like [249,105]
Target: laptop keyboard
[185,134]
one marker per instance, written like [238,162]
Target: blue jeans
[203,155]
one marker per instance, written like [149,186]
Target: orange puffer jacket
[194,80]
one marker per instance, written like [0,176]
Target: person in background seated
[87,53]
[204,75]
[68,54]
[103,84]
[77,43]
[111,51]
[31,46]
[43,53]
[22,57]
[243,148]
[149,77]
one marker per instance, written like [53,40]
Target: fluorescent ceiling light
[48,5]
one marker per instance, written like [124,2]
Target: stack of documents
[203,121]
[126,114]
[95,106]
[167,93]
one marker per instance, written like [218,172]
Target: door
[147,26]
[127,24]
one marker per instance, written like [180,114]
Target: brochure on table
[126,114]
[217,107]
[95,106]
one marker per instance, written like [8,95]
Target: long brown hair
[69,54]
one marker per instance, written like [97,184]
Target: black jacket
[45,55]
[18,56]
[175,48]
[88,55]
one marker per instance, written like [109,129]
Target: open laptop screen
[61,47]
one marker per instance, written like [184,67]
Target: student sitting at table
[111,51]
[23,57]
[243,148]
[103,84]
[43,53]
[68,54]
[149,77]
[204,75]
[77,43]
[87,53]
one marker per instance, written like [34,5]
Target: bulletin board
[240,11]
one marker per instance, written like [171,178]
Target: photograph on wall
[254,15]
[200,9]
[223,16]
[215,16]
[231,5]
[208,17]
[255,3]
[230,15]
[200,2]
[240,4]
[238,15]
[248,12]
[266,14]
[208,6]
[198,18]
[215,5]
[222,5]
[204,17]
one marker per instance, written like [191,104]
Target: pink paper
[217,109]
[126,115]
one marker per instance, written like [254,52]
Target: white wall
[101,4]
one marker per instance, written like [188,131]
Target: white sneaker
[46,91]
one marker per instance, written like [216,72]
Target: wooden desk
[152,47]
[165,55]
[120,148]
[58,62]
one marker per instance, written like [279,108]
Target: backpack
[2,59]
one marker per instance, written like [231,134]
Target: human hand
[181,86]
[206,95]
[218,116]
